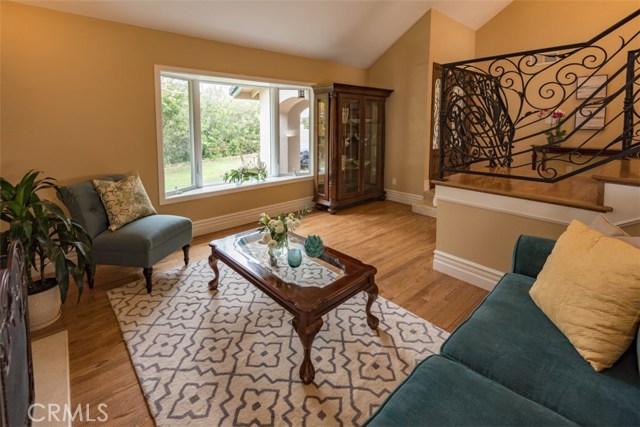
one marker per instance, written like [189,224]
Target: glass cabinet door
[322,144]
[372,143]
[349,161]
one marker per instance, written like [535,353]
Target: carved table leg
[372,294]
[307,331]
[213,263]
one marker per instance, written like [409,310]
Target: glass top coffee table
[307,292]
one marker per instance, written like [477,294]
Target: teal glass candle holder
[294,257]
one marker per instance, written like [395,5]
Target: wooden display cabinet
[349,144]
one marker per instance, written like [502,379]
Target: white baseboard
[400,197]
[222,222]
[423,208]
[465,270]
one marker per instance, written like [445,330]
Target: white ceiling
[353,32]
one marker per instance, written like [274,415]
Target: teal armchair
[141,243]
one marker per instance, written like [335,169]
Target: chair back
[16,372]
[85,205]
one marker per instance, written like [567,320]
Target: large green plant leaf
[7,191]
[47,234]
[25,189]
[77,274]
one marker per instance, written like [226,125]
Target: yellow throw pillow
[589,288]
[124,200]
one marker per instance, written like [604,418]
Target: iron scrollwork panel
[498,112]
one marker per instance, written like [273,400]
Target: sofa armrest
[530,253]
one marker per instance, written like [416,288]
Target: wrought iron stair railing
[575,106]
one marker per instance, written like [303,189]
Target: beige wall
[487,237]
[450,41]
[78,98]
[526,24]
[406,68]
[483,236]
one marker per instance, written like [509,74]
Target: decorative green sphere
[313,246]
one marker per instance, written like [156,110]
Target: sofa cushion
[590,289]
[142,242]
[606,227]
[124,201]
[441,392]
[509,340]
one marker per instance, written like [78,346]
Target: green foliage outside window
[229,126]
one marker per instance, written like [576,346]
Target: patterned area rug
[232,357]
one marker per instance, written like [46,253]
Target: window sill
[217,190]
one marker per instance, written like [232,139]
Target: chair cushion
[441,392]
[590,289]
[85,206]
[509,340]
[125,201]
[143,242]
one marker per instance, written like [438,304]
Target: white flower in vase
[266,238]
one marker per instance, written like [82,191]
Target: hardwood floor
[387,235]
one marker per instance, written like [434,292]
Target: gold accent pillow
[124,200]
[589,288]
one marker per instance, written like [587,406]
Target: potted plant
[50,238]
[246,173]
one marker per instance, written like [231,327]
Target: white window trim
[215,190]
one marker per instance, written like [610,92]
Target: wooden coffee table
[307,292]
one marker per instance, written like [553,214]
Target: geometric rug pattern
[231,357]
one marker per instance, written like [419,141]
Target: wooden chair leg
[148,271]
[87,270]
[185,250]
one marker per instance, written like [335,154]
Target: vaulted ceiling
[353,32]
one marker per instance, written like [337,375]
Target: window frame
[198,189]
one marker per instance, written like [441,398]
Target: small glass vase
[554,139]
[294,257]
[279,251]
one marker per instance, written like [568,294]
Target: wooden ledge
[634,182]
[536,197]
[624,172]
[582,191]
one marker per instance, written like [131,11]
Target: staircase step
[624,172]
[583,191]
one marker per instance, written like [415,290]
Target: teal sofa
[508,365]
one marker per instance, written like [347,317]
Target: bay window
[209,125]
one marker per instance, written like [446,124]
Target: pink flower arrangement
[555,134]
